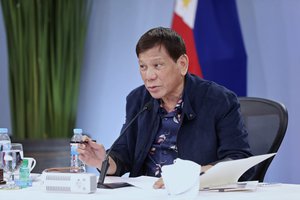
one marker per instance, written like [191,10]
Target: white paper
[228,172]
[181,177]
[143,182]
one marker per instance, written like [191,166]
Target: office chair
[266,121]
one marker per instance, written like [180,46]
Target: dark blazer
[212,128]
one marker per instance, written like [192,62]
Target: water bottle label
[24,174]
[74,147]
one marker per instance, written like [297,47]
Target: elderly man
[190,118]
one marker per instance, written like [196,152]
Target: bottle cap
[77,130]
[3,130]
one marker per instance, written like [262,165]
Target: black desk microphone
[105,163]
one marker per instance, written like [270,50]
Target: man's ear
[183,62]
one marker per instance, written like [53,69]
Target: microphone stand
[105,163]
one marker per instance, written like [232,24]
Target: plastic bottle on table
[4,139]
[4,145]
[24,176]
[76,164]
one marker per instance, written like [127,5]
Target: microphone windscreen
[148,106]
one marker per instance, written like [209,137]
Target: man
[190,118]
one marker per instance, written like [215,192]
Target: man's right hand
[93,154]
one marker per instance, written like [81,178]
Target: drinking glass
[11,161]
[18,146]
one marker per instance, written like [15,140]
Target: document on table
[143,182]
[228,172]
[222,175]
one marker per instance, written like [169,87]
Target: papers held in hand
[228,172]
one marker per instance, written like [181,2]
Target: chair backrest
[266,121]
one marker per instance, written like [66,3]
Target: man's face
[162,77]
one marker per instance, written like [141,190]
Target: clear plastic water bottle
[4,139]
[24,176]
[4,145]
[76,164]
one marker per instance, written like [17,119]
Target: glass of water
[11,160]
[18,147]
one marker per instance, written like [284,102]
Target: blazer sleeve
[232,134]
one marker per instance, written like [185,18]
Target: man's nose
[150,74]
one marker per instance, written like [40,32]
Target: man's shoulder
[210,96]
[140,90]
[139,94]
[207,88]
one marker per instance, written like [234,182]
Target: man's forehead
[156,52]
[150,59]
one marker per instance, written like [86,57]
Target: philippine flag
[211,31]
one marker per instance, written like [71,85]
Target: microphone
[105,163]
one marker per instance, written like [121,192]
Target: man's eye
[158,65]
[142,67]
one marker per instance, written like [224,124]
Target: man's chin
[155,96]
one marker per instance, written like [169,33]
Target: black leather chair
[266,121]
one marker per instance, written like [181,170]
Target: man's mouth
[152,88]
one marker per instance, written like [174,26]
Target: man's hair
[161,36]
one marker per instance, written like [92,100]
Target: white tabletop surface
[264,192]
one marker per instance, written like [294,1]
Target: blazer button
[191,115]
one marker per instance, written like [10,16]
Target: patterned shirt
[164,148]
